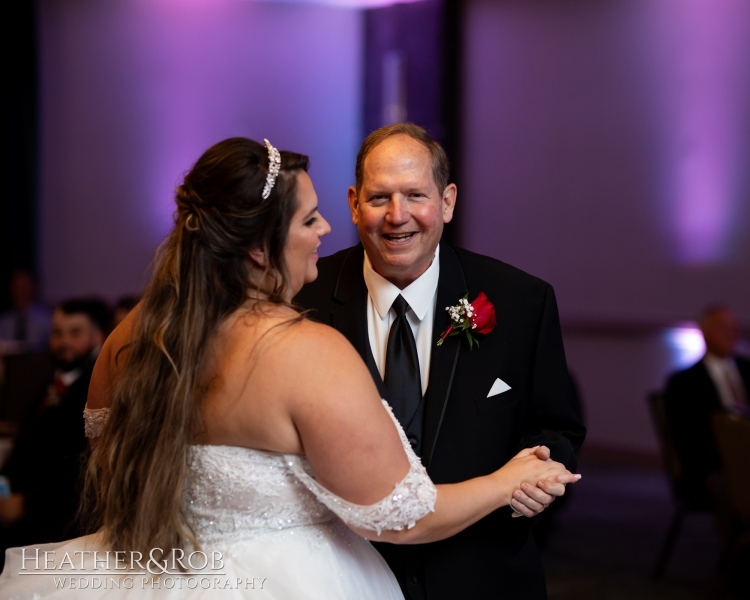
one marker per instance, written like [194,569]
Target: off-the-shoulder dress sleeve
[94,420]
[412,498]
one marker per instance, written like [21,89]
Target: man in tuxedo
[720,381]
[474,408]
[45,463]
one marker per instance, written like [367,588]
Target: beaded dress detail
[272,521]
[232,491]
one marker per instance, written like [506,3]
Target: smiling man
[399,208]
[466,412]
[44,466]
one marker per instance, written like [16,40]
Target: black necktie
[402,366]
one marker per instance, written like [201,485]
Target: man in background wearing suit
[720,381]
[474,408]
[46,460]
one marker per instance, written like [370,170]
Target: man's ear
[353,204]
[258,258]
[449,201]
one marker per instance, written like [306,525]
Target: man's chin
[70,364]
[400,273]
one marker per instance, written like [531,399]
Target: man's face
[74,337]
[721,333]
[399,212]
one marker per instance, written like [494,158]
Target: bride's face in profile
[305,230]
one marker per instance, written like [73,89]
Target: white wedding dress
[267,530]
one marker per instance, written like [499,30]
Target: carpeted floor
[602,544]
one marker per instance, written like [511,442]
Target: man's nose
[398,210]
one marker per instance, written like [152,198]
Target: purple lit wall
[607,150]
[134,91]
[703,75]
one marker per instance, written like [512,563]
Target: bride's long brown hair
[201,275]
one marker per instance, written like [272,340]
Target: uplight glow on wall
[357,4]
[686,346]
[707,45]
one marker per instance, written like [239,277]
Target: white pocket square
[498,388]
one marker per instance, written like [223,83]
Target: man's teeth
[399,237]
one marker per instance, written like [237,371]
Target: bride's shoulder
[282,330]
[317,343]
[317,335]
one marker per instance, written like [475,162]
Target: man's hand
[531,500]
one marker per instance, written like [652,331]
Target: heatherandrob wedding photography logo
[121,569]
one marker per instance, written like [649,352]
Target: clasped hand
[542,480]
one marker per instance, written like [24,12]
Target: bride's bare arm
[348,437]
[107,368]
[355,449]
[109,362]
[462,504]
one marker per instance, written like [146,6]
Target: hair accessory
[274,164]
[189,225]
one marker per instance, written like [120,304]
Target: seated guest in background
[719,381]
[27,323]
[44,465]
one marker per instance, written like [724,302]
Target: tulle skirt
[321,561]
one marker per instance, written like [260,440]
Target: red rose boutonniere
[471,318]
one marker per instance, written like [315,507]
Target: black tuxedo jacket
[465,433]
[691,397]
[46,465]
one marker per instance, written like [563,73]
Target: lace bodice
[234,493]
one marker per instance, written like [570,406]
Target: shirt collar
[69,377]
[419,293]
[715,361]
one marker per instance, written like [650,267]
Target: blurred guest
[719,381]
[124,305]
[28,322]
[44,464]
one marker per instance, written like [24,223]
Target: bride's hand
[535,480]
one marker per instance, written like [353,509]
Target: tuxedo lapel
[743,367]
[349,316]
[451,286]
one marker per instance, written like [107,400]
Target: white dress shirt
[727,379]
[421,295]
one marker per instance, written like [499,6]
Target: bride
[236,444]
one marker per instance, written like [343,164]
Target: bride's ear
[258,258]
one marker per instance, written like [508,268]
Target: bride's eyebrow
[310,214]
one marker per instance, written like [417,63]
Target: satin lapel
[451,286]
[349,315]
